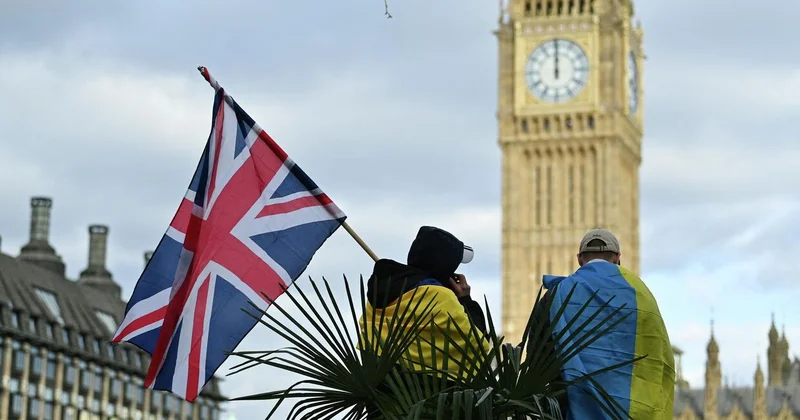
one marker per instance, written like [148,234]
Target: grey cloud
[444,146]
[679,178]
[164,37]
[757,236]
[706,99]
[725,33]
[775,262]
[25,24]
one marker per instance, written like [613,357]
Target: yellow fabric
[653,381]
[445,308]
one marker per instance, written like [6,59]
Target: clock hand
[556,61]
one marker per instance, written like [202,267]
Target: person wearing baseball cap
[599,245]
[643,388]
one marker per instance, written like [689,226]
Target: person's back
[395,288]
[644,389]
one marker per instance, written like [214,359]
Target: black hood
[389,280]
[436,251]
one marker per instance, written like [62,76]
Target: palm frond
[355,366]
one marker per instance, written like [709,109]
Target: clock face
[633,84]
[557,70]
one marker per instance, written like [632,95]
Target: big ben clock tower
[570,129]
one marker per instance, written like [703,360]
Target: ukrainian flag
[445,317]
[645,389]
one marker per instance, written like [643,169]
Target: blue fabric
[612,348]
[429,282]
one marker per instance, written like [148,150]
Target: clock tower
[570,130]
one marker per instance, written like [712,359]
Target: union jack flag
[250,222]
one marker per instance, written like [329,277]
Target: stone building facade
[570,130]
[56,361]
[775,396]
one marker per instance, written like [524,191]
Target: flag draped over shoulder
[250,223]
[645,389]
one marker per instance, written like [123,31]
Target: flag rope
[213,82]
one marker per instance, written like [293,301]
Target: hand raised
[459,285]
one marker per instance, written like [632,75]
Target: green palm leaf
[357,367]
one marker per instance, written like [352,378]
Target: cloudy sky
[101,108]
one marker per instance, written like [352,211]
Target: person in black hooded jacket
[439,253]
[433,259]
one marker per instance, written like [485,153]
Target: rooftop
[39,304]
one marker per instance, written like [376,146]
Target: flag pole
[206,75]
[359,241]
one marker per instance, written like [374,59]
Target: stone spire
[38,249]
[713,377]
[680,381]
[784,342]
[786,361]
[759,395]
[96,274]
[712,349]
[773,331]
[774,356]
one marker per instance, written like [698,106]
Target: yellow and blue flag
[644,389]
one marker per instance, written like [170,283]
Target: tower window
[549,185]
[107,320]
[33,407]
[571,186]
[547,124]
[537,182]
[36,362]
[590,122]
[549,7]
[527,8]
[50,370]
[98,379]
[582,177]
[69,372]
[560,10]
[568,123]
[19,357]
[596,188]
[51,302]
[539,8]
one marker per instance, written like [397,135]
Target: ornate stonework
[774,398]
[571,142]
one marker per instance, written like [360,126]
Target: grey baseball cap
[611,244]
